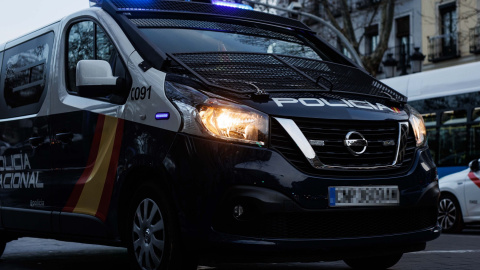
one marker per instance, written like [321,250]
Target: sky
[19,17]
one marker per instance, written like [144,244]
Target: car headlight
[219,118]
[418,125]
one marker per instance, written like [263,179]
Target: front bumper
[227,247]
[286,213]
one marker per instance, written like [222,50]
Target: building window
[448,15]
[371,39]
[444,46]
[475,39]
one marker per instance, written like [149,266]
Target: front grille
[337,224]
[334,153]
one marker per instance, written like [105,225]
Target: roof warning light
[231,4]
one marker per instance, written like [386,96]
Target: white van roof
[440,82]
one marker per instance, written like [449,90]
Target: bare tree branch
[330,16]
[387,23]
[347,24]
[374,14]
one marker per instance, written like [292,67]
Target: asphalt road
[450,251]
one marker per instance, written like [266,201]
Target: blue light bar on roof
[230,4]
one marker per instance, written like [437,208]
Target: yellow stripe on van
[92,191]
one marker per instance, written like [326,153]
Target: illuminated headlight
[218,118]
[418,125]
[233,122]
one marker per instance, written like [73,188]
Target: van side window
[88,41]
[24,76]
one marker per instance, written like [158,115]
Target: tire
[374,263]
[449,214]
[152,235]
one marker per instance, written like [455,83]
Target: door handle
[64,137]
[36,141]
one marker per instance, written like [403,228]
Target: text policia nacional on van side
[16,172]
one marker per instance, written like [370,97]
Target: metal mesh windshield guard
[218,26]
[202,8]
[246,73]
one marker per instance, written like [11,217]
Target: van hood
[290,86]
[290,83]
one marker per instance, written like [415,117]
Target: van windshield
[230,38]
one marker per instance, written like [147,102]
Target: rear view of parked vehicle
[460,194]
[187,131]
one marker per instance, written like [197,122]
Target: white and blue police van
[190,131]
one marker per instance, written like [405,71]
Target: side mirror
[474,165]
[95,79]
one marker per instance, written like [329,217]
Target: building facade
[447,32]
[450,31]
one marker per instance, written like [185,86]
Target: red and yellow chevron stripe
[395,109]
[474,178]
[92,192]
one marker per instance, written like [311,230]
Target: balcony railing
[475,40]
[443,47]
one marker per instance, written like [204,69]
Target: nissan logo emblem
[355,143]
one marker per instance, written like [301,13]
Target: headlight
[418,125]
[218,118]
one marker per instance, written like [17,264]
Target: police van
[190,131]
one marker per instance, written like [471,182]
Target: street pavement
[450,251]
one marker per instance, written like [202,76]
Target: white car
[460,198]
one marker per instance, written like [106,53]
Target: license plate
[363,196]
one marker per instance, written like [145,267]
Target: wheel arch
[459,202]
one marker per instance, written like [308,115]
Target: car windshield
[221,37]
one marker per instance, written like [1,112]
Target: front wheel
[449,214]
[152,235]
[374,263]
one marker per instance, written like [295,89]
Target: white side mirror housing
[94,72]
[95,79]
